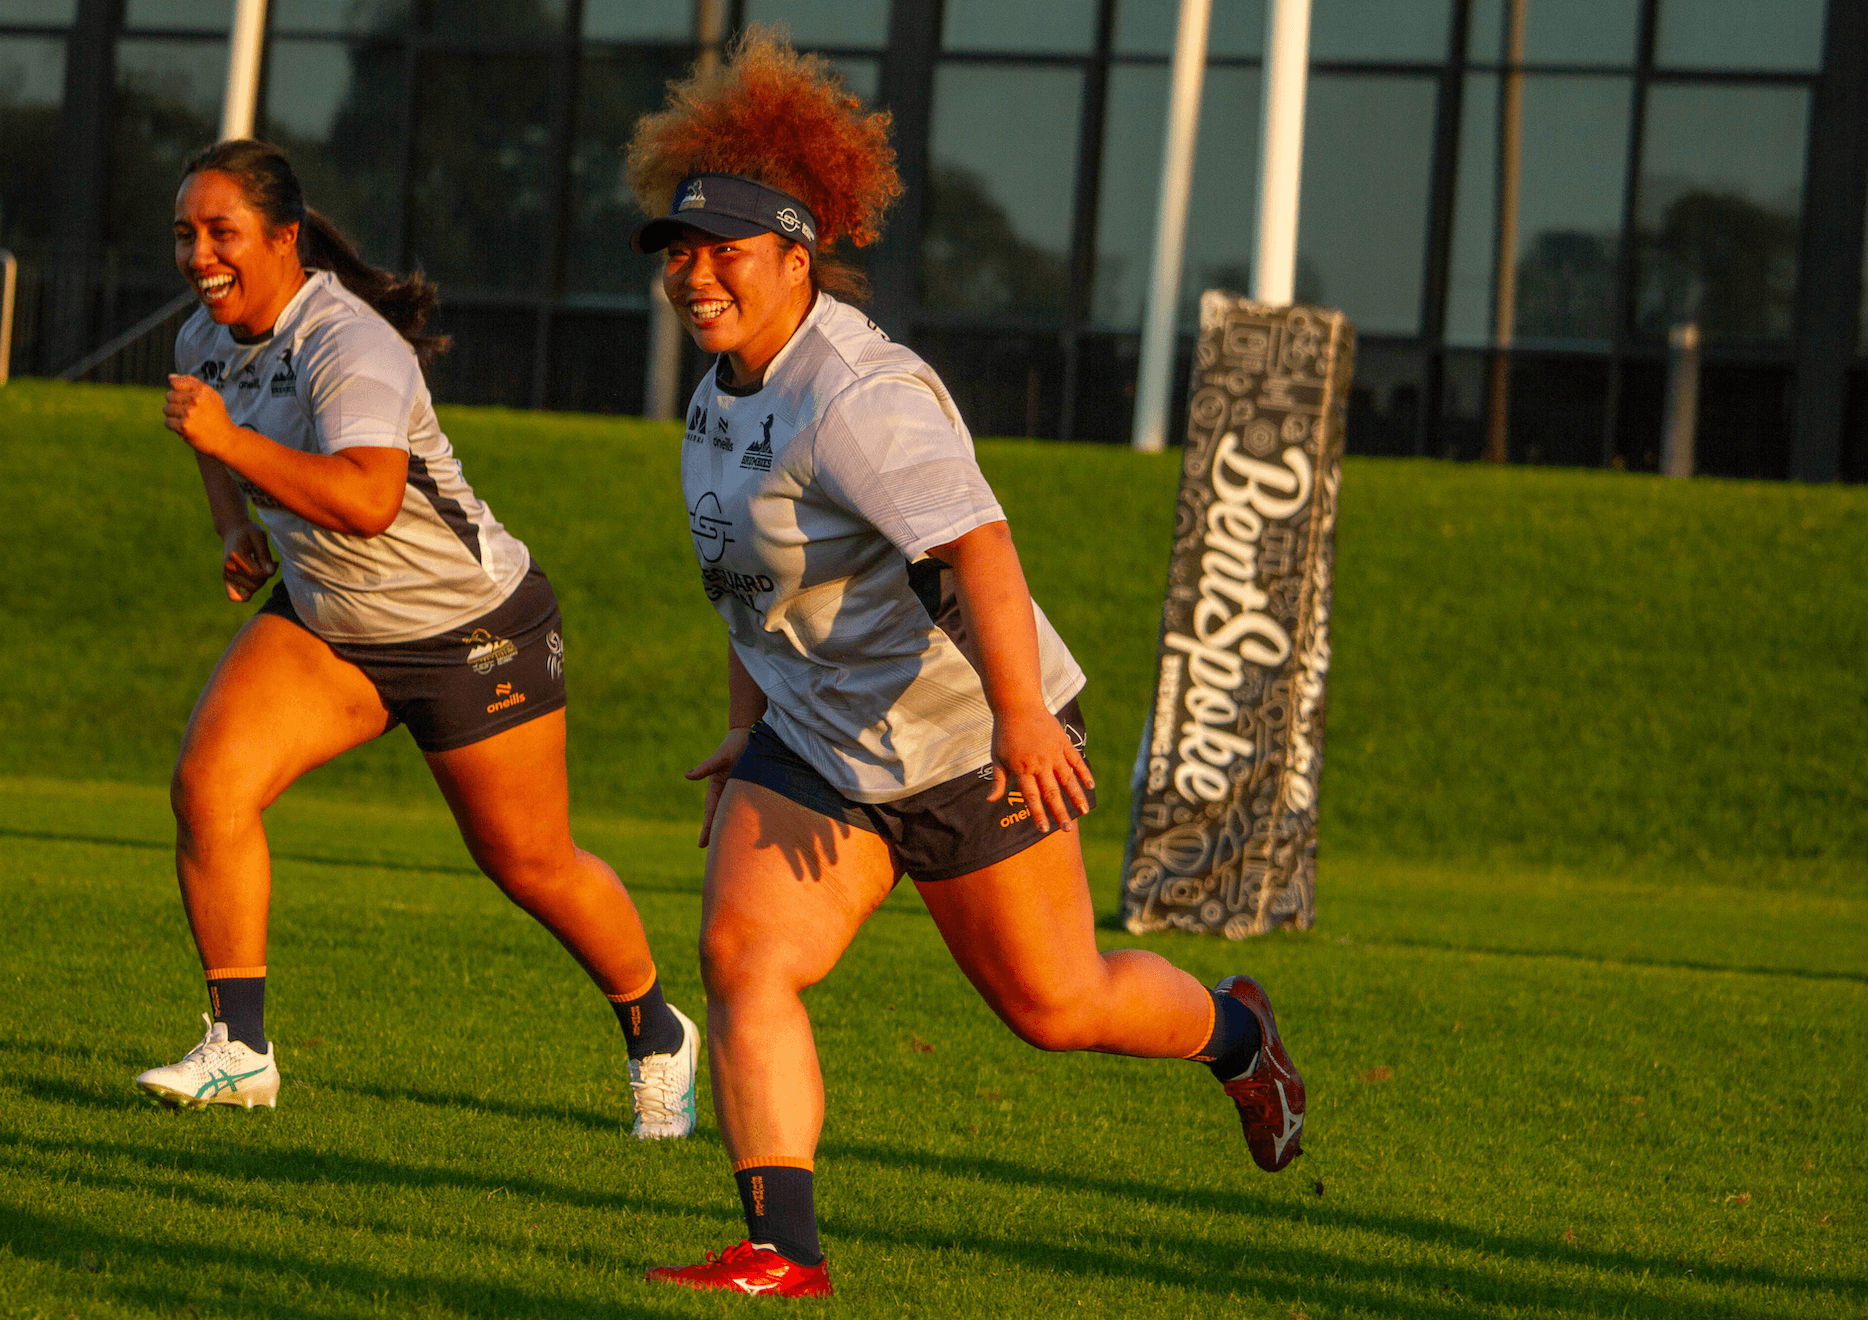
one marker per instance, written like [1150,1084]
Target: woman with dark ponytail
[403,601]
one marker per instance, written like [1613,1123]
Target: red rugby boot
[1271,1096]
[749,1268]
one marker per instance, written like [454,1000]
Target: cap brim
[654,235]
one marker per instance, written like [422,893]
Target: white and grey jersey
[334,375]
[813,501]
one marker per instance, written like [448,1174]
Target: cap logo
[695,197]
[789,219]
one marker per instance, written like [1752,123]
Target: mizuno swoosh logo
[1293,1123]
[754,1288]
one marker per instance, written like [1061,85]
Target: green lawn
[1584,1016]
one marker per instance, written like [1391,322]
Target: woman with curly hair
[403,601]
[896,702]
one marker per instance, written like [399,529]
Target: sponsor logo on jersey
[285,379]
[211,373]
[484,650]
[554,661]
[758,454]
[709,528]
[695,197]
[744,587]
[249,377]
[697,426]
[721,440]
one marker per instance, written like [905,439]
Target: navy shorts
[471,682]
[938,833]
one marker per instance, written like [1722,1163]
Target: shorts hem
[523,715]
[979,862]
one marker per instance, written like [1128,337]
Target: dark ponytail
[271,188]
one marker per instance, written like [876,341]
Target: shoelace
[651,1088]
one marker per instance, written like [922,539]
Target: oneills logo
[695,197]
[484,650]
[1016,801]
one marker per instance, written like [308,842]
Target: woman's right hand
[715,770]
[246,561]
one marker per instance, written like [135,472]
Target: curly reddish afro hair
[779,117]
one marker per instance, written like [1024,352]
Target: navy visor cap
[728,206]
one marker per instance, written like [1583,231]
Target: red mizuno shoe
[1271,1096]
[749,1268]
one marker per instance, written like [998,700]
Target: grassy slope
[1593,887]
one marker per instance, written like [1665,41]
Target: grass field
[1584,1016]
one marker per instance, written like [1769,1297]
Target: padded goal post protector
[1223,836]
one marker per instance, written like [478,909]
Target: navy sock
[649,1025]
[1235,1041]
[240,1002]
[779,1210]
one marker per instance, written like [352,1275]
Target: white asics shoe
[218,1071]
[662,1086]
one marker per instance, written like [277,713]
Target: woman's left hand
[1031,749]
[197,413]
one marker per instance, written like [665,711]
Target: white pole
[1281,150]
[244,40]
[1154,376]
[9,277]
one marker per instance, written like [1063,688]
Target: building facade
[1678,160]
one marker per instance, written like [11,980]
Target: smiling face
[243,271]
[744,297]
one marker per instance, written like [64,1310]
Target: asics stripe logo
[1293,1123]
[224,1081]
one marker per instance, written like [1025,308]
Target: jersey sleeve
[360,379]
[888,452]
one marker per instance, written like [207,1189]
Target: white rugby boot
[218,1071]
[662,1086]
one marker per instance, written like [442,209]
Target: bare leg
[512,802]
[786,891]
[1023,931]
[279,703]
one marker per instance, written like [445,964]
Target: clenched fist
[196,412]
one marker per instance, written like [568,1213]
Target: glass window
[1740,34]
[1062,27]
[192,15]
[997,228]
[1220,208]
[864,77]
[479,195]
[32,86]
[348,16]
[639,20]
[498,18]
[167,107]
[1575,135]
[827,22]
[1558,31]
[39,11]
[614,89]
[1719,208]
[1362,218]
[326,103]
[1147,27]
[1379,30]
[1862,343]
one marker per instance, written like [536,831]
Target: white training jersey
[334,375]
[813,500]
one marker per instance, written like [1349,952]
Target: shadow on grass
[72,1244]
[1598,960]
[1309,1269]
[312,859]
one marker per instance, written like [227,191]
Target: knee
[737,960]
[204,802]
[1056,1025]
[530,878]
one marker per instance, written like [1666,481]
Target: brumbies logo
[484,650]
[285,379]
[695,197]
[759,453]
